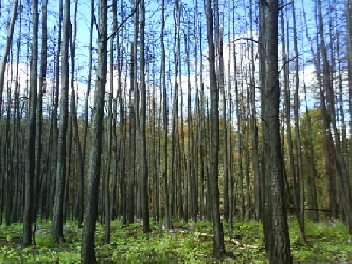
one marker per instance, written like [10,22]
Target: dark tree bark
[9,39]
[58,210]
[114,202]
[175,143]
[53,151]
[81,190]
[88,251]
[39,119]
[291,175]
[30,177]
[13,196]
[6,163]
[197,121]
[167,211]
[106,182]
[218,232]
[143,146]
[277,240]
[132,173]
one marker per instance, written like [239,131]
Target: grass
[327,243]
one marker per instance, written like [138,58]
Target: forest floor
[191,243]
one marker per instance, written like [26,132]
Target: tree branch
[124,20]
[288,61]
[283,6]
[96,25]
[250,39]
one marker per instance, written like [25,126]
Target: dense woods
[180,110]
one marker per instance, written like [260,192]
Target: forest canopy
[125,112]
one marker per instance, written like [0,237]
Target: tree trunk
[167,211]
[58,213]
[218,232]
[9,39]
[312,201]
[30,177]
[254,129]
[143,146]
[277,240]
[88,250]
[300,178]
[131,178]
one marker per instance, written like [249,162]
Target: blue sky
[239,13]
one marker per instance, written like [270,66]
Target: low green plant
[183,244]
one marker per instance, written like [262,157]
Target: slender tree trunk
[39,118]
[30,177]
[312,201]
[175,145]
[106,181]
[218,240]
[113,201]
[58,210]
[143,146]
[88,250]
[9,39]
[6,157]
[132,173]
[167,211]
[81,195]
[275,217]
[15,200]
[300,178]
[80,161]
[239,145]
[254,128]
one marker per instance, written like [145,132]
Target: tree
[330,117]
[300,193]
[9,39]
[165,121]
[276,235]
[312,201]
[132,137]
[58,210]
[85,126]
[29,181]
[143,150]
[254,128]
[39,118]
[218,232]
[88,250]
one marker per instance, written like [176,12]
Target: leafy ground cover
[327,243]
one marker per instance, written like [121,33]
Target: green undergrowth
[185,243]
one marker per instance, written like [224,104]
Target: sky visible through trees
[168,110]
[239,23]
